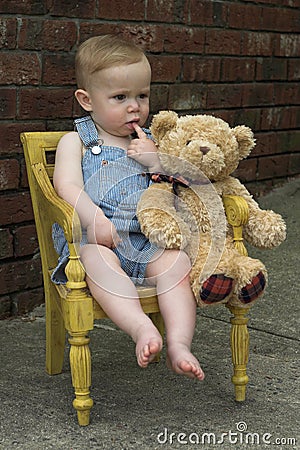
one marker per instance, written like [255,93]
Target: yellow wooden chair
[70,307]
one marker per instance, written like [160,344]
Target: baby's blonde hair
[102,52]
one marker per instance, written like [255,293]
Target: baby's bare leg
[117,295]
[170,272]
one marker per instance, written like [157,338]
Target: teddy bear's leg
[211,281]
[215,289]
[239,342]
[218,287]
[253,290]
[250,277]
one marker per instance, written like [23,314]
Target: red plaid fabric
[216,288]
[254,289]
[174,180]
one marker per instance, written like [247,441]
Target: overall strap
[87,131]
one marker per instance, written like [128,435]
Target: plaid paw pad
[216,288]
[253,290]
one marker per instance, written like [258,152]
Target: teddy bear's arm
[265,228]
[158,217]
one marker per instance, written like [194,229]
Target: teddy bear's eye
[188,142]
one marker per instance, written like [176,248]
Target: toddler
[101,170]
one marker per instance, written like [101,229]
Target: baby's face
[119,97]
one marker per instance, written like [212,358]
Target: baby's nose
[204,150]
[133,105]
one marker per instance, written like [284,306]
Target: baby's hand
[143,150]
[103,232]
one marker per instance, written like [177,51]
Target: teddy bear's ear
[163,122]
[245,138]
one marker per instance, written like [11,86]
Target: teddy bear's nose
[204,150]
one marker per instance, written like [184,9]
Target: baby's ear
[163,122]
[83,99]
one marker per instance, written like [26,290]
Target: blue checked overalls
[115,183]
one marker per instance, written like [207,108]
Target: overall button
[96,150]
[104,162]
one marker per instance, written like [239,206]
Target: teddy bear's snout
[200,144]
[204,150]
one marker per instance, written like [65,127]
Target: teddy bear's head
[197,145]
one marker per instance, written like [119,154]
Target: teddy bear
[182,208]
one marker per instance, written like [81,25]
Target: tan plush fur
[205,151]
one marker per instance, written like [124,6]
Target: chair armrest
[64,214]
[237,213]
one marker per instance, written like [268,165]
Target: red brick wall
[235,59]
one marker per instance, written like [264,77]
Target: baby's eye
[142,96]
[120,97]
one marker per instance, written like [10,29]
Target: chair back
[39,150]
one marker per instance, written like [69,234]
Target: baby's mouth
[131,123]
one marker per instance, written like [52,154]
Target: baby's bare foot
[183,362]
[148,345]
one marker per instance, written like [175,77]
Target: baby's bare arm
[68,183]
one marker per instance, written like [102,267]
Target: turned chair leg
[80,362]
[79,320]
[239,341]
